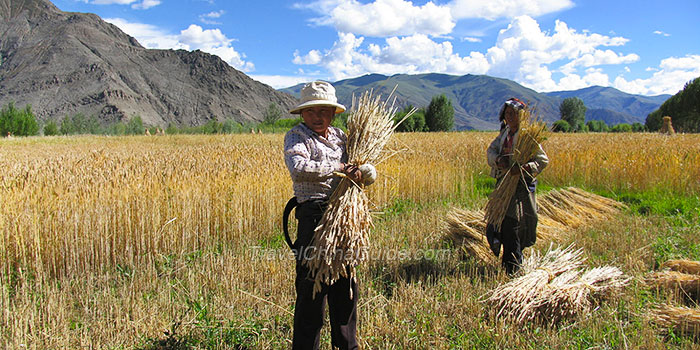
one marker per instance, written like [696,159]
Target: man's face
[318,118]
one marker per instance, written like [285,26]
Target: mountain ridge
[477,99]
[65,63]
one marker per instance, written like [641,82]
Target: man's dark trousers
[308,312]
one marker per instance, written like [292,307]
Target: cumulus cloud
[494,9]
[135,4]
[383,18]
[194,37]
[669,78]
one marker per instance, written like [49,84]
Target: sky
[645,47]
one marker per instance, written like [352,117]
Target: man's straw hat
[318,93]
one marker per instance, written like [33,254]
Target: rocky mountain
[477,99]
[65,63]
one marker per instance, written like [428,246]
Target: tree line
[683,108]
[573,115]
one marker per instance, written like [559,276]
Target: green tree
[683,108]
[440,115]
[272,114]
[597,126]
[50,129]
[561,126]
[623,127]
[18,122]
[573,111]
[135,126]
[414,123]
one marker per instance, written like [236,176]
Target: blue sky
[643,47]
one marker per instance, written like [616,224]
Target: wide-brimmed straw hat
[318,93]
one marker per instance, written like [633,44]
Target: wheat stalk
[342,236]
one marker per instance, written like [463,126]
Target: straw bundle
[683,319]
[684,266]
[553,288]
[532,132]
[689,284]
[341,239]
[667,127]
[467,229]
[574,207]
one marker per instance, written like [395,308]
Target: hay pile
[553,288]
[679,276]
[341,238]
[682,319]
[531,134]
[667,127]
[559,211]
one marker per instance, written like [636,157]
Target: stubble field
[175,242]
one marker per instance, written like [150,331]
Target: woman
[519,226]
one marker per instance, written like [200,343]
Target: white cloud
[494,9]
[471,39]
[211,17]
[142,5]
[382,18]
[212,41]
[672,75]
[281,81]
[658,32]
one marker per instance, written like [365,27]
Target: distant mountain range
[477,99]
[68,63]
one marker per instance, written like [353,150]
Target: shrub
[561,126]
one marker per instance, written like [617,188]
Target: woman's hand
[352,172]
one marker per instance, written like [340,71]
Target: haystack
[684,266]
[559,211]
[682,319]
[667,127]
[674,280]
[553,288]
[467,229]
[342,237]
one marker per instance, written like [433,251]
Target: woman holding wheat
[517,230]
[315,153]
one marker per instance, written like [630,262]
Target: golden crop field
[157,242]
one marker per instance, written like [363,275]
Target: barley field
[174,242]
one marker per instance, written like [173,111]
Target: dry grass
[107,242]
[673,280]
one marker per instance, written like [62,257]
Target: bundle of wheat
[341,239]
[531,134]
[682,319]
[553,288]
[684,266]
[467,229]
[574,207]
[667,127]
[672,280]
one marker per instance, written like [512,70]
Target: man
[313,152]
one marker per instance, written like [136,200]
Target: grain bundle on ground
[684,266]
[667,127]
[531,134]
[341,237]
[681,319]
[553,288]
[674,280]
[573,207]
[466,228]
